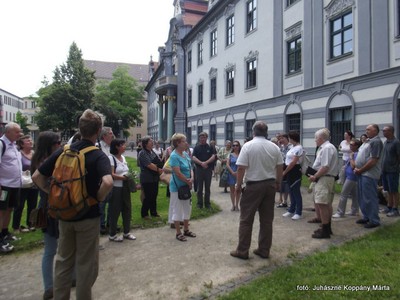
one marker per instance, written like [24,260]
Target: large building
[296,64]
[104,71]
[10,104]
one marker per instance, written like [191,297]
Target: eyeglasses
[235,145]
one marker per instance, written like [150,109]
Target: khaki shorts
[324,190]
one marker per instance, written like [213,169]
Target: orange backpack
[68,196]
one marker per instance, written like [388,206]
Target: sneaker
[23,229]
[5,247]
[280,205]
[10,237]
[351,213]
[296,217]
[385,210]
[116,238]
[129,236]
[287,214]
[337,215]
[393,213]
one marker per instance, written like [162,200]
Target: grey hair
[323,133]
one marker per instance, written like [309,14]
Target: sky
[37,34]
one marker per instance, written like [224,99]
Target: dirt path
[157,266]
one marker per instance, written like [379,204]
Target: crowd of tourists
[252,172]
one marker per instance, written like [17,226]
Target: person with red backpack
[79,237]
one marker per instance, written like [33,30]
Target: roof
[104,70]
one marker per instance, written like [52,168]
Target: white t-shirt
[344,147]
[121,169]
[261,158]
[294,151]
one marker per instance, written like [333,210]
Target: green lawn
[33,240]
[368,262]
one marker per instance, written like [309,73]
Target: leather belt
[259,181]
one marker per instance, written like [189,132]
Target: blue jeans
[296,200]
[50,250]
[368,198]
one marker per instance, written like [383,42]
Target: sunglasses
[235,145]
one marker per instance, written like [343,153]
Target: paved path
[157,266]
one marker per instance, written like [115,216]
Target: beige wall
[142,130]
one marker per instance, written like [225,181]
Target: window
[138,124]
[251,74]
[230,80]
[199,129]
[213,47]
[138,137]
[189,62]
[290,2]
[340,121]
[189,104]
[293,122]
[229,131]
[200,94]
[213,132]
[342,35]
[33,104]
[200,53]
[230,30]
[294,55]
[251,15]
[213,90]
[249,127]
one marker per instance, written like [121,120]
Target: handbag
[38,218]
[26,180]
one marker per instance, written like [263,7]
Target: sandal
[189,233]
[314,220]
[129,236]
[115,238]
[180,237]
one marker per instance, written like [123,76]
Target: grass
[33,240]
[368,262]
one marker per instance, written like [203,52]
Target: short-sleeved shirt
[261,157]
[10,165]
[184,164]
[294,151]
[203,153]
[146,158]
[372,148]
[97,166]
[120,169]
[390,156]
[327,156]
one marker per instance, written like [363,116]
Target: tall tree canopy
[118,100]
[72,91]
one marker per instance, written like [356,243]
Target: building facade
[10,104]
[296,64]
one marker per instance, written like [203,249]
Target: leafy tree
[71,92]
[118,100]
[22,121]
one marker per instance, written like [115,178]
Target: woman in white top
[121,197]
[292,175]
[344,146]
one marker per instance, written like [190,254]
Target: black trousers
[150,190]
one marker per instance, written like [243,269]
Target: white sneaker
[296,217]
[287,214]
[337,215]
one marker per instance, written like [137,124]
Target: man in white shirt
[260,164]
[326,165]
[10,182]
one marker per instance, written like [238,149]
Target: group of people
[256,171]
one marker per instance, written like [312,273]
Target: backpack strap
[115,163]
[3,148]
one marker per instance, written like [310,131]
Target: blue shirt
[175,160]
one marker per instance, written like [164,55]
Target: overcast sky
[36,35]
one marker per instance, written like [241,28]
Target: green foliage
[22,121]
[118,100]
[63,101]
